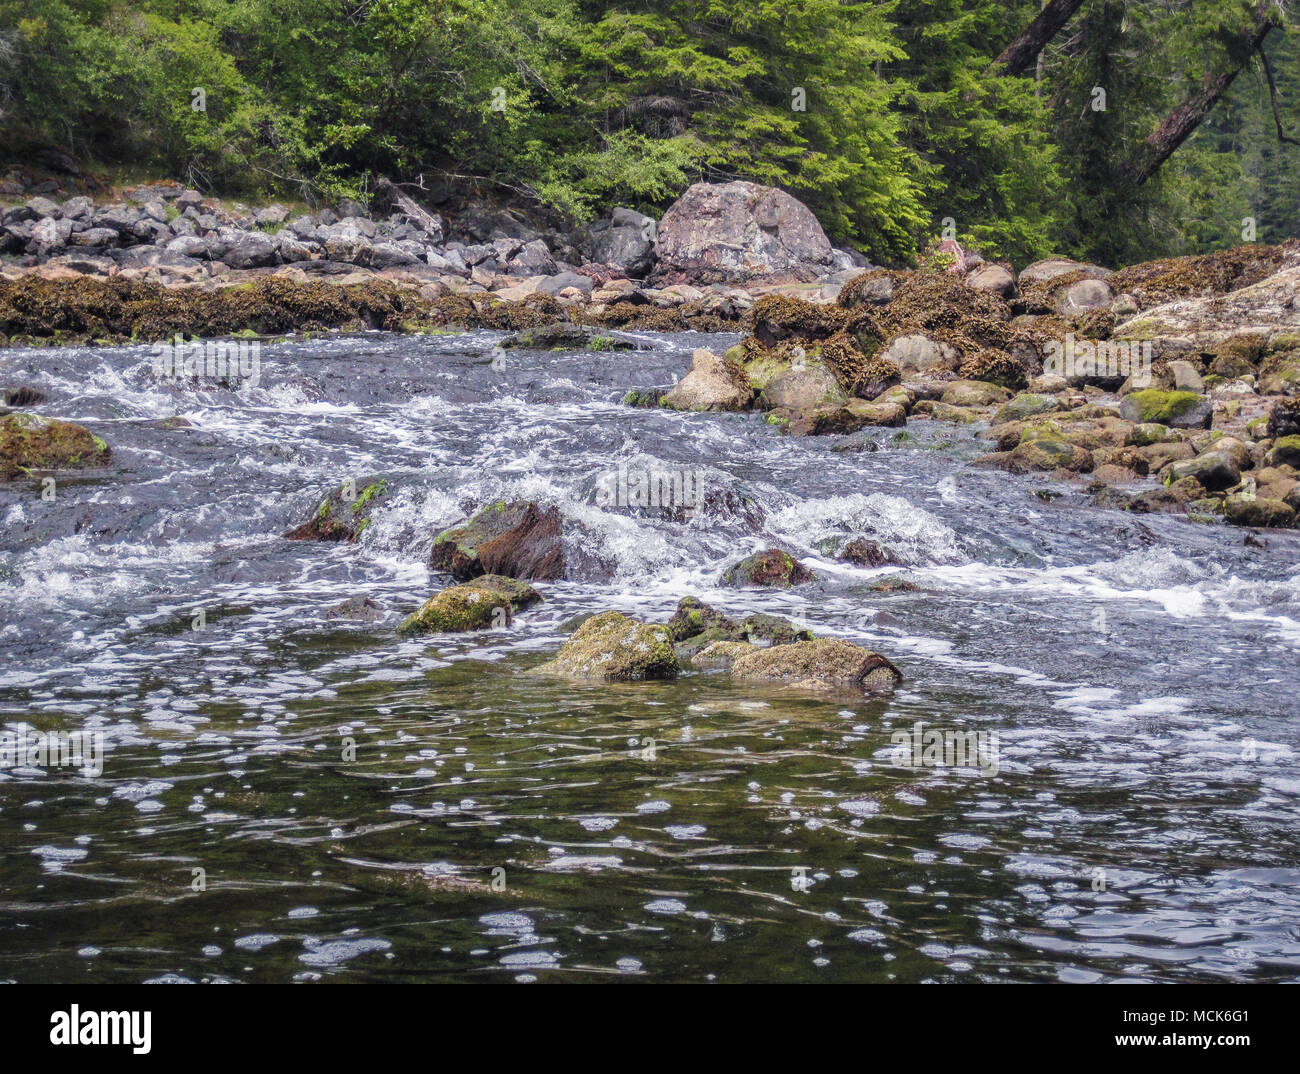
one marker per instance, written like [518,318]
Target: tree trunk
[1023,52]
[1178,125]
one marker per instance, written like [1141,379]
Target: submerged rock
[29,442]
[563,336]
[360,608]
[489,601]
[820,664]
[772,568]
[610,647]
[695,626]
[518,539]
[343,514]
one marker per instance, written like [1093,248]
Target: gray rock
[532,259]
[559,282]
[1082,296]
[44,207]
[95,236]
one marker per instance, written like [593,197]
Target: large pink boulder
[733,232]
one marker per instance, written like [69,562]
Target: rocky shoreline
[1169,386]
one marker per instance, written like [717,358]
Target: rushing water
[1140,674]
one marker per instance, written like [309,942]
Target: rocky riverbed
[458,633]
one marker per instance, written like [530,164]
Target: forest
[1111,130]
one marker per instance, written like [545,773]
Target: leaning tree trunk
[1023,52]
[1178,125]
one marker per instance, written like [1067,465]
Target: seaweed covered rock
[772,568]
[486,602]
[611,647]
[820,664]
[1153,283]
[518,539]
[29,442]
[343,513]
[1259,512]
[695,625]
[713,383]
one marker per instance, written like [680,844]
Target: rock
[1025,405]
[864,553]
[1050,268]
[772,568]
[1266,305]
[518,539]
[820,664]
[1280,373]
[1213,469]
[343,514]
[1180,410]
[1082,296]
[1258,512]
[813,385]
[29,442]
[563,336]
[732,232]
[1284,418]
[721,653]
[250,249]
[626,243]
[886,412]
[1186,377]
[487,602]
[360,608]
[532,259]
[23,396]
[562,281]
[713,383]
[874,288]
[1285,452]
[51,233]
[994,278]
[695,626]
[974,393]
[919,353]
[610,647]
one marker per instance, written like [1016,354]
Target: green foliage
[882,115]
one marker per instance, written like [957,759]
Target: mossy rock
[343,514]
[561,335]
[1025,405]
[1258,512]
[974,393]
[820,664]
[29,442]
[610,647]
[771,568]
[644,397]
[1214,470]
[1181,410]
[721,654]
[1285,452]
[1144,434]
[488,601]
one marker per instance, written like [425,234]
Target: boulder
[974,393]
[1051,267]
[518,539]
[626,242]
[1083,295]
[918,353]
[1258,511]
[820,664]
[343,513]
[994,278]
[1285,452]
[485,603]
[733,232]
[713,383]
[772,568]
[610,647]
[1025,405]
[800,388]
[29,442]
[1284,418]
[1215,471]
[1179,410]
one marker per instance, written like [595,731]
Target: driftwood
[421,218]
